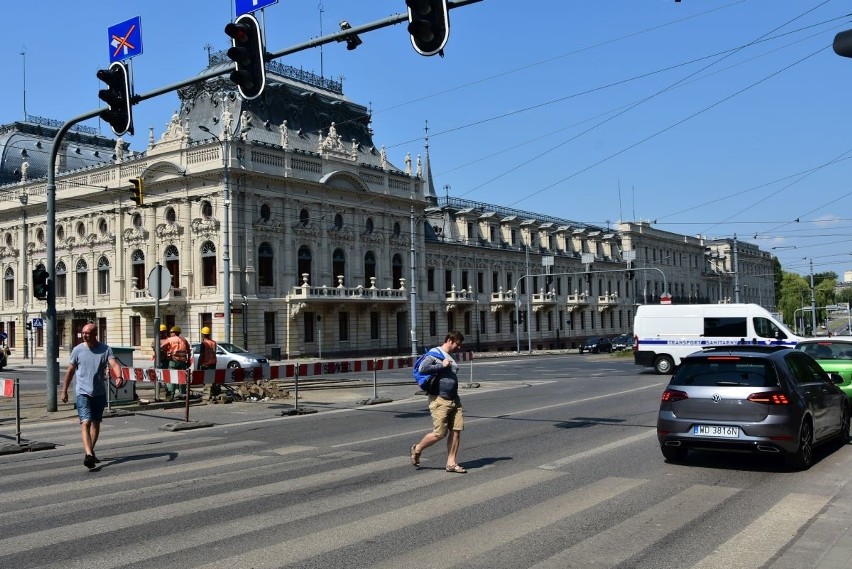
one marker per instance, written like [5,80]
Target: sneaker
[89,461]
[96,459]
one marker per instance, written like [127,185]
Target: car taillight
[670,395]
[635,343]
[769,398]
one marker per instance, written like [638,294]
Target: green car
[834,355]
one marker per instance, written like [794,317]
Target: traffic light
[136,190]
[119,115]
[630,274]
[843,43]
[40,276]
[29,326]
[249,56]
[429,25]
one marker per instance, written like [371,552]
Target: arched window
[369,267]
[82,278]
[61,280]
[338,266]
[208,264]
[172,260]
[304,260]
[137,269]
[265,258]
[9,284]
[81,230]
[103,228]
[265,212]
[103,275]
[304,218]
[60,233]
[206,210]
[171,216]
[369,225]
[338,221]
[396,267]
[396,229]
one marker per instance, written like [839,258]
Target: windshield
[730,371]
[232,348]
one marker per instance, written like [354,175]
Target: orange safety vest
[178,349]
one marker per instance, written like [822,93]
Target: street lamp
[226,237]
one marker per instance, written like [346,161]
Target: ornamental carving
[268,226]
[310,229]
[171,230]
[344,234]
[399,240]
[296,308]
[132,236]
[206,227]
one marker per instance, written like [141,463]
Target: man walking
[444,404]
[88,363]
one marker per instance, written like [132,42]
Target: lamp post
[226,235]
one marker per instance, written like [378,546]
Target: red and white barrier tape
[286,371]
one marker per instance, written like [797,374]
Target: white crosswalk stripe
[337,483]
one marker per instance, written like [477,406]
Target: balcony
[460,299]
[501,299]
[543,300]
[607,302]
[140,297]
[306,294]
[577,301]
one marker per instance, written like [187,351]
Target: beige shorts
[446,415]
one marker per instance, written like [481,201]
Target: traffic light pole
[52,341]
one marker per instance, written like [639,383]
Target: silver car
[763,399]
[231,356]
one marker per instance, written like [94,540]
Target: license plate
[716,431]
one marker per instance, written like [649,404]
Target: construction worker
[207,357]
[178,352]
[164,336]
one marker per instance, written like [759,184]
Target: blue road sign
[125,40]
[248,6]
[38,323]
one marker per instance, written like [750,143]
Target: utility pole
[412,296]
[813,302]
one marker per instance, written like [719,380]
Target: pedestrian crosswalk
[210,502]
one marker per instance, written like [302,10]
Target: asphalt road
[564,471]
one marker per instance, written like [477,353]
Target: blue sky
[710,117]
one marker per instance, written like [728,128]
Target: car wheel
[843,435]
[664,365]
[674,454]
[803,457]
[233,365]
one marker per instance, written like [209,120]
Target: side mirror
[836,378]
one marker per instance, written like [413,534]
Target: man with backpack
[444,402]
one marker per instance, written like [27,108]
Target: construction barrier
[285,371]
[7,387]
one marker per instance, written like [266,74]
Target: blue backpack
[426,380]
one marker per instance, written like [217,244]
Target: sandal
[457,468]
[415,456]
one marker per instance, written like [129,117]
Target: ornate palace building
[286,229]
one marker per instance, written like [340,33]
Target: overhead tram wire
[641,101]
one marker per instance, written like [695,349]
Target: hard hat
[205,331]
[176,329]
[163,327]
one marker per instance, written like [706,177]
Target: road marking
[486,537]
[641,531]
[755,545]
[598,450]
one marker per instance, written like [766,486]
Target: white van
[664,333]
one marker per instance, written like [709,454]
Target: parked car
[834,355]
[622,342]
[596,345]
[764,399]
[231,356]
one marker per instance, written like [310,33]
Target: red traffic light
[429,25]
[248,54]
